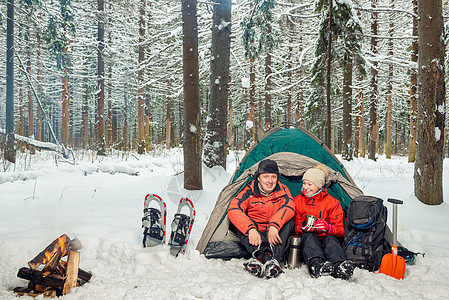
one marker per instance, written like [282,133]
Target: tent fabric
[296,140]
[283,145]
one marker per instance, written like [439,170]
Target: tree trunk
[40,79]
[428,173]
[267,123]
[192,131]
[140,82]
[347,109]
[251,117]
[215,146]
[328,80]
[100,83]
[229,115]
[168,119]
[373,125]
[413,88]
[389,113]
[362,145]
[85,105]
[10,153]
[65,106]
[29,91]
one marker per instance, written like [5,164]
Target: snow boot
[181,227]
[272,268]
[315,266]
[154,221]
[255,267]
[327,269]
[343,270]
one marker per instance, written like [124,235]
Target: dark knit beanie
[267,166]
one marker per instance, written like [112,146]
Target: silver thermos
[294,251]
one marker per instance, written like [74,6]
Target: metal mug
[294,251]
[310,220]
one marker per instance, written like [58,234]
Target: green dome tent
[295,150]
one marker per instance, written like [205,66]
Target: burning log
[38,277]
[57,276]
[61,245]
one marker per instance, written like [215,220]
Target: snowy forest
[106,75]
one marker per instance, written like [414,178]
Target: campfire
[55,270]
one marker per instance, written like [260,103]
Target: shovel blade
[393,265]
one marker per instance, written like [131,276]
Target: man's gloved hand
[308,228]
[322,225]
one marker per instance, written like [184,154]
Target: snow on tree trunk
[100,84]
[140,80]
[428,173]
[347,110]
[413,88]
[10,153]
[373,122]
[192,130]
[215,146]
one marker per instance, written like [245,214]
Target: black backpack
[365,227]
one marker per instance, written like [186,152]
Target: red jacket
[322,206]
[250,209]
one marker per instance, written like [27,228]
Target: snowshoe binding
[181,227]
[154,221]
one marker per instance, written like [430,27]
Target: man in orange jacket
[262,212]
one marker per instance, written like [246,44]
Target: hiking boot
[264,252]
[315,266]
[327,269]
[255,267]
[272,268]
[343,270]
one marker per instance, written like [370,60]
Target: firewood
[49,252]
[53,263]
[72,271]
[82,274]
[24,291]
[37,277]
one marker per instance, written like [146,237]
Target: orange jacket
[322,206]
[249,209]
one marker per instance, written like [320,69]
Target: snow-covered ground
[100,201]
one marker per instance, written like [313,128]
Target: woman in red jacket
[319,223]
[262,212]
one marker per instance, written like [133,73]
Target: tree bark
[100,80]
[40,79]
[428,173]
[267,123]
[328,81]
[140,82]
[389,95]
[10,153]
[215,144]
[373,124]
[168,119]
[192,130]
[413,88]
[347,109]
[251,117]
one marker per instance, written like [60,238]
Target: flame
[62,245]
[48,256]
[62,249]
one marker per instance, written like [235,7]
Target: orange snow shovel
[392,264]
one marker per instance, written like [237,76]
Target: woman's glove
[322,225]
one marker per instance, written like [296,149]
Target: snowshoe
[154,221]
[181,227]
